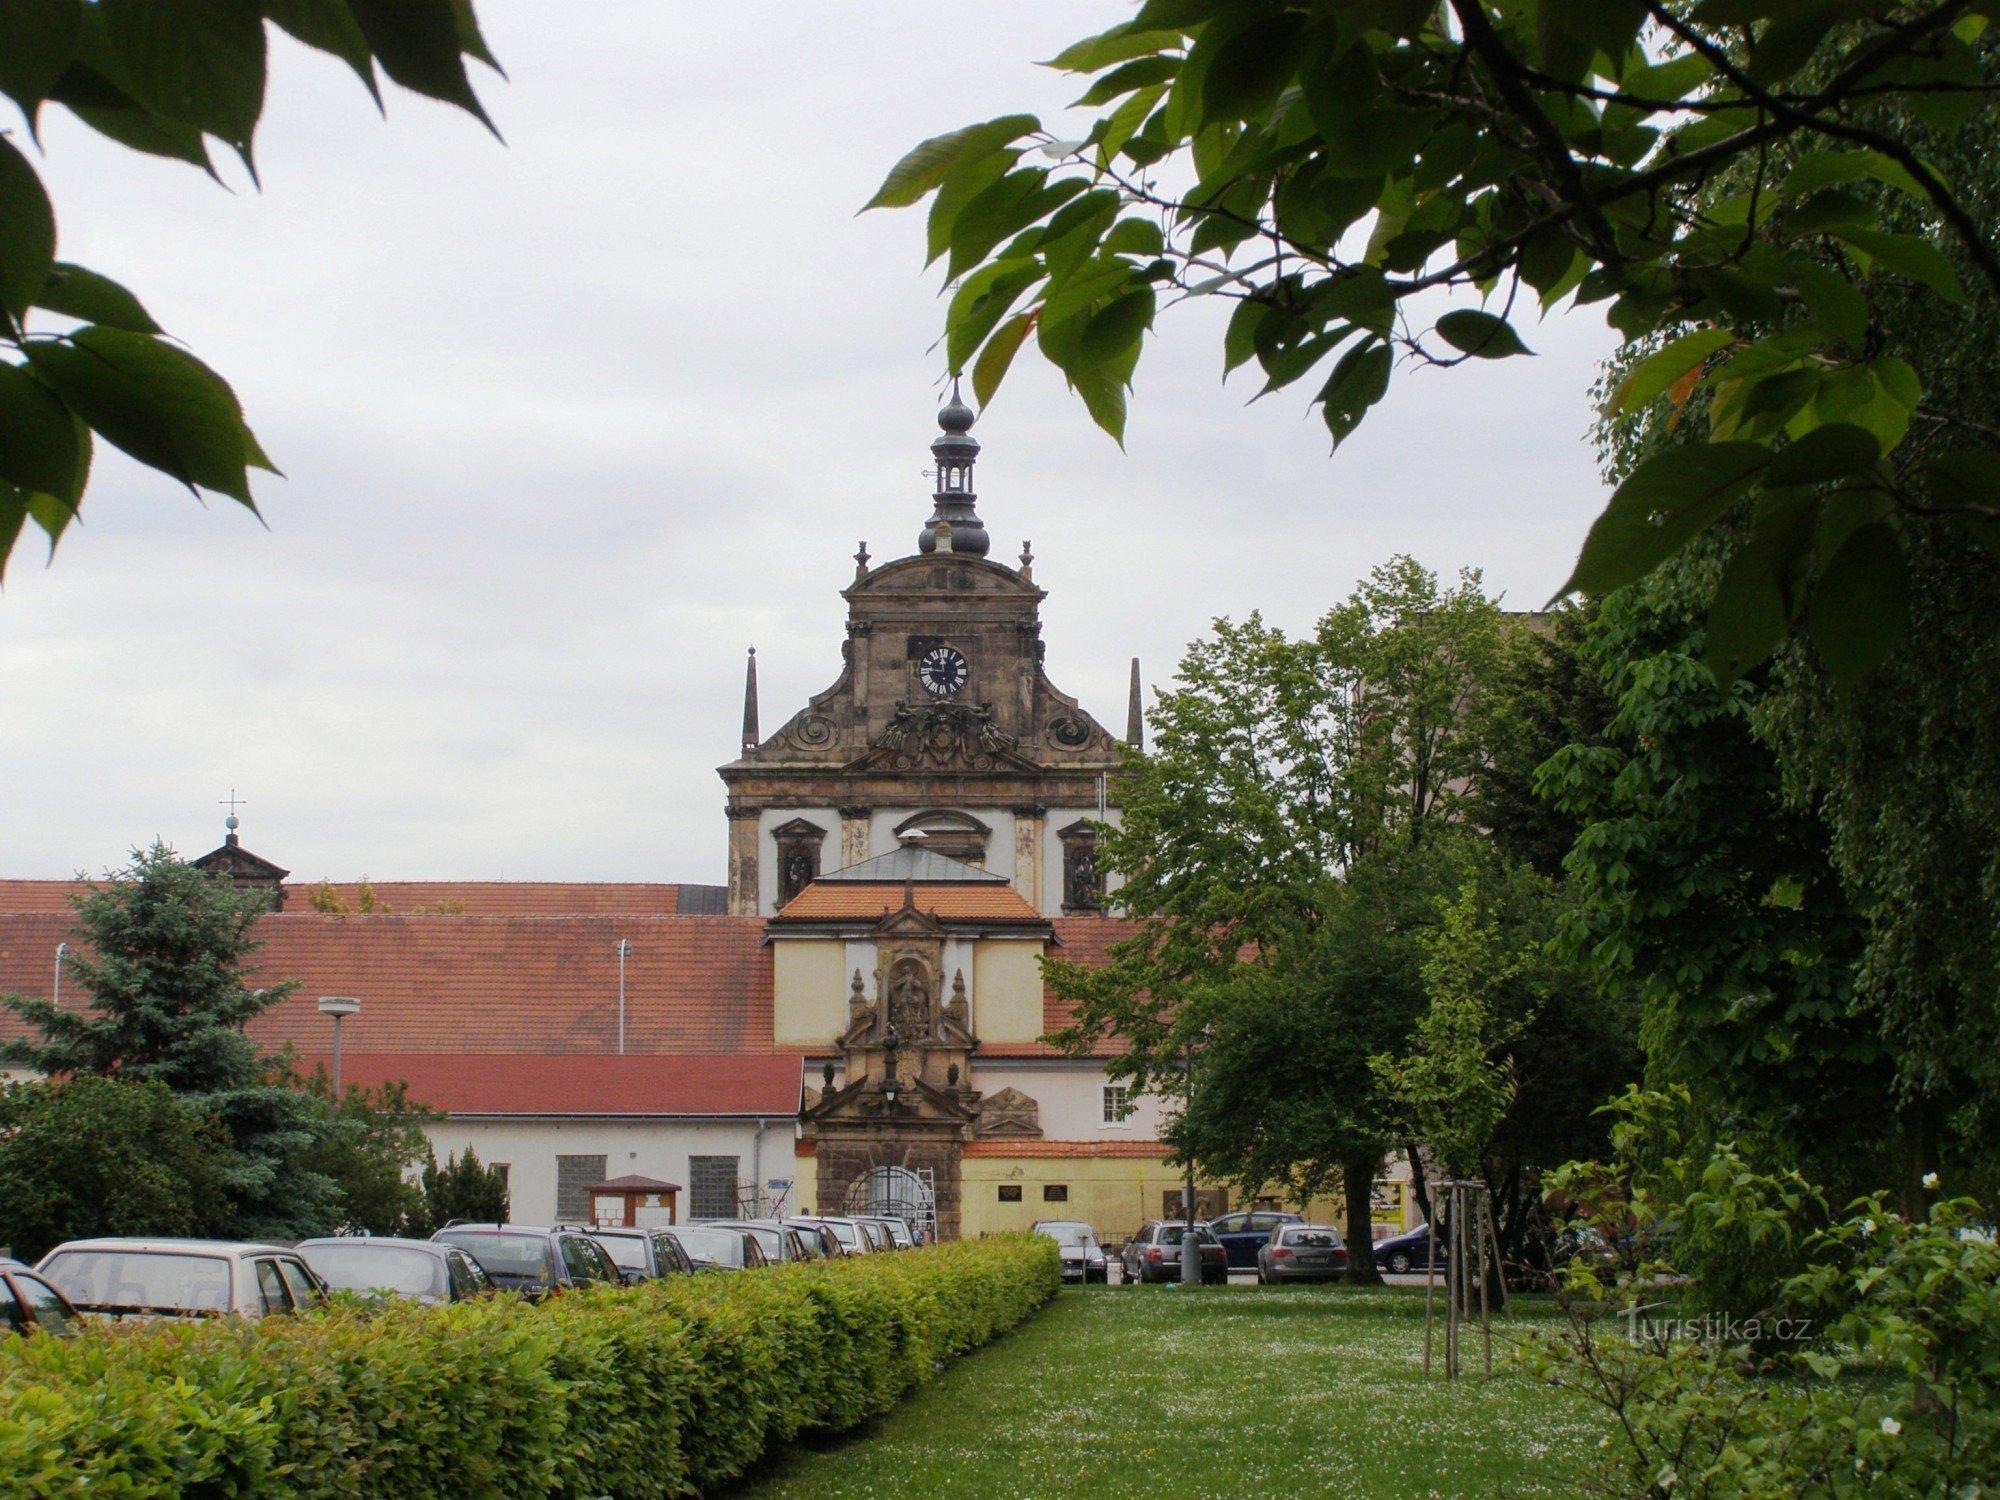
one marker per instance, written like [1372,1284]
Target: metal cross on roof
[232,802]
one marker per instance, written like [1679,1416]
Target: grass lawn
[1169,1394]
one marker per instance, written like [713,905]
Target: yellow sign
[1385,1203]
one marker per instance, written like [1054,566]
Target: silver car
[169,1278]
[421,1271]
[1301,1252]
[1082,1257]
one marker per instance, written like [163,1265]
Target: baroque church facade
[854,1019]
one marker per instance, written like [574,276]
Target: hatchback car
[1246,1232]
[1302,1252]
[854,1238]
[899,1234]
[714,1248]
[1154,1253]
[421,1271]
[172,1278]
[29,1304]
[1401,1253]
[1083,1258]
[534,1262]
[643,1254]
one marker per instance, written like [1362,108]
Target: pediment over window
[955,835]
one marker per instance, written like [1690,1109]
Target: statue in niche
[910,1001]
[1083,884]
[795,874]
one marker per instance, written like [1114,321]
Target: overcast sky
[569,423]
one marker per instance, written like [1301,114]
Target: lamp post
[339,1007]
[1190,1250]
[62,952]
[624,952]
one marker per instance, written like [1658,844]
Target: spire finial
[861,562]
[751,737]
[1028,562]
[1135,712]
[231,823]
[955,449]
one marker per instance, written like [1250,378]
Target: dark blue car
[1408,1251]
[1243,1234]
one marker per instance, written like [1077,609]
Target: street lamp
[1190,1249]
[339,1007]
[62,952]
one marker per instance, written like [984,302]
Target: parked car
[643,1254]
[830,1247]
[532,1261]
[899,1234]
[1402,1253]
[28,1304]
[174,1278]
[713,1248]
[1082,1257]
[1154,1253]
[779,1242]
[1246,1232]
[1301,1252]
[854,1238]
[414,1270]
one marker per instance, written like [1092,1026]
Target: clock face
[942,671]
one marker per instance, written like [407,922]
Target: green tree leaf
[926,167]
[1909,255]
[1480,334]
[1664,503]
[40,446]
[1861,603]
[1359,380]
[1830,452]
[1118,325]
[329,26]
[27,233]
[1652,376]
[78,292]
[158,403]
[37,39]
[991,366]
[199,63]
[418,44]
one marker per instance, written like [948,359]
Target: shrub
[664,1389]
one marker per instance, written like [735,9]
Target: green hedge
[671,1388]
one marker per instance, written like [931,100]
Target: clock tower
[942,723]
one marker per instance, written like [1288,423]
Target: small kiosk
[633,1203]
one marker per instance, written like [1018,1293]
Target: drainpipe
[624,952]
[757,1170]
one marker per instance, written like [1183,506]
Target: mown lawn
[1172,1395]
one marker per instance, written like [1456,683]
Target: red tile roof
[1143,1150]
[693,984]
[961,901]
[474,1083]
[474,898]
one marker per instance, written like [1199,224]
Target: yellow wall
[1007,991]
[1115,1195]
[805,1186]
[809,999]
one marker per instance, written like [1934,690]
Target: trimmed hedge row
[670,1388]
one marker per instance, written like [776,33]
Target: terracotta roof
[504,898]
[474,898]
[693,984]
[959,901]
[632,1182]
[469,1083]
[39,895]
[1141,1150]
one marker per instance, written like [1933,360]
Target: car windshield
[362,1267]
[142,1279]
[627,1250]
[767,1240]
[723,1247]
[849,1235]
[510,1259]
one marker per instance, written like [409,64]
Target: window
[712,1186]
[1010,1192]
[271,1287]
[575,1177]
[1055,1192]
[1117,1104]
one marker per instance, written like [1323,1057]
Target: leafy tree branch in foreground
[1340,169]
[81,358]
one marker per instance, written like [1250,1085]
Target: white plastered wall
[1071,1097]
